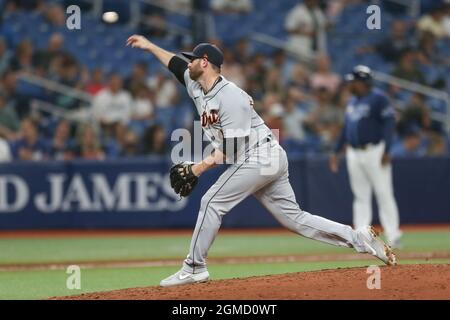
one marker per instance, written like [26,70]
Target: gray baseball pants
[264,174]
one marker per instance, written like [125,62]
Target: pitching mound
[400,282]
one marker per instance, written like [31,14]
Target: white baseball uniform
[368,128]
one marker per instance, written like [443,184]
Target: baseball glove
[182,179]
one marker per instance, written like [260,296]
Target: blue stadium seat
[164,116]
[179,20]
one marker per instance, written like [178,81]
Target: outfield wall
[137,194]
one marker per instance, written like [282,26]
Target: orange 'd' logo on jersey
[209,118]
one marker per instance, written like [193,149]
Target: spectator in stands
[5,56]
[410,144]
[232,70]
[29,147]
[231,6]
[282,63]
[299,78]
[334,8]
[138,78]
[166,93]
[242,51]
[61,144]
[129,144]
[178,5]
[153,22]
[68,74]
[273,82]
[325,118]
[433,22]
[343,96]
[154,141]
[13,5]
[55,15]
[9,121]
[142,107]
[96,82]
[202,21]
[323,77]
[393,45]
[42,58]
[306,24]
[112,105]
[88,143]
[446,21]
[20,103]
[5,152]
[273,113]
[9,6]
[437,144]
[256,71]
[416,113]
[429,53]
[293,120]
[142,110]
[254,88]
[298,84]
[407,68]
[23,57]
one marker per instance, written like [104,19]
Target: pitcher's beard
[195,74]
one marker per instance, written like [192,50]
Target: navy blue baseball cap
[208,51]
[360,72]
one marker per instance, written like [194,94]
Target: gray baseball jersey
[227,111]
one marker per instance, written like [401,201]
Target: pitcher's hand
[140,42]
[386,159]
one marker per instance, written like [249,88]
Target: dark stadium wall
[136,194]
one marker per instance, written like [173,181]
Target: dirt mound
[400,282]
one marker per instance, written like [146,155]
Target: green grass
[46,283]
[48,250]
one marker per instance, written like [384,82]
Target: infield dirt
[431,281]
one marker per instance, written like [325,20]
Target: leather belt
[361,147]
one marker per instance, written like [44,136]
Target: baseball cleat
[182,277]
[376,247]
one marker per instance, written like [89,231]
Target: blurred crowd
[305,102]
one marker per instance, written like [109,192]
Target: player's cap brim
[190,55]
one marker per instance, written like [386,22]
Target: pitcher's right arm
[168,59]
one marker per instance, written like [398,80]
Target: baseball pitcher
[259,165]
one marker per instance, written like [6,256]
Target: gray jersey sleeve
[189,83]
[235,112]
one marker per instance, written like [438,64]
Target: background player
[228,118]
[368,131]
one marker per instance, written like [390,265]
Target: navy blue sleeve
[178,66]
[342,138]
[387,118]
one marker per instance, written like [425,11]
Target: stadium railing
[419,88]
